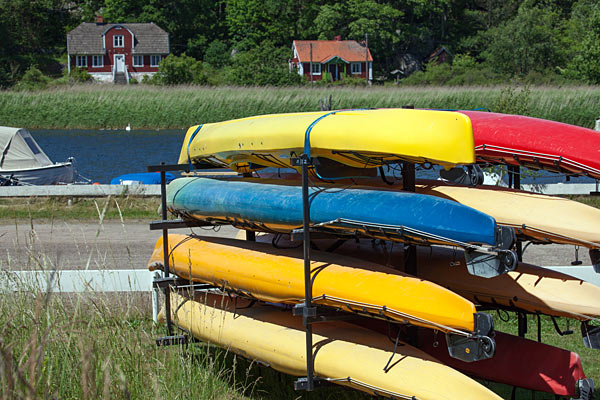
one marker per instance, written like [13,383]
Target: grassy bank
[104,106]
[101,346]
[64,208]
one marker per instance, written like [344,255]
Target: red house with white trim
[332,59]
[117,52]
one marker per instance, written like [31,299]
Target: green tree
[217,54]
[583,40]
[260,66]
[32,32]
[252,22]
[122,11]
[527,42]
[188,22]
[353,19]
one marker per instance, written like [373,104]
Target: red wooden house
[117,52]
[332,59]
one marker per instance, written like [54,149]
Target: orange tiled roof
[324,50]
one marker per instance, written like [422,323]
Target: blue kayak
[398,216]
[146,178]
[280,208]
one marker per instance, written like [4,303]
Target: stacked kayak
[401,216]
[572,223]
[347,355]
[277,276]
[356,138]
[535,143]
[425,265]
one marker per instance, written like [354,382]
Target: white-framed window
[97,61]
[155,60]
[118,41]
[316,69]
[356,68]
[138,61]
[81,61]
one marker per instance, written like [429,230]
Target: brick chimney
[99,20]
[337,38]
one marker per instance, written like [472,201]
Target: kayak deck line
[344,353]
[381,310]
[372,310]
[275,278]
[391,135]
[556,160]
[376,390]
[508,258]
[500,260]
[487,245]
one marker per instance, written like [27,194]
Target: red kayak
[535,143]
[519,362]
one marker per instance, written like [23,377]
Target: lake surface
[102,155]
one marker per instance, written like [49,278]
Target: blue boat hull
[279,208]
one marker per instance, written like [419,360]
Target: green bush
[464,70]
[434,74]
[33,79]
[176,70]
[513,101]
[79,75]
[349,80]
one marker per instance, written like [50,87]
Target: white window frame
[97,61]
[318,72]
[138,64]
[356,68]
[153,60]
[81,61]
[118,41]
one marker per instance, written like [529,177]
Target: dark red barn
[117,52]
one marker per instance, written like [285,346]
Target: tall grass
[101,345]
[104,106]
[92,346]
[77,208]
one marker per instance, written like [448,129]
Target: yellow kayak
[536,217]
[344,353]
[260,271]
[356,138]
[528,288]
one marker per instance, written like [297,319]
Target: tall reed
[141,106]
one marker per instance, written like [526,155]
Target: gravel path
[112,245]
[77,245]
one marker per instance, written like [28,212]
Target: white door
[120,62]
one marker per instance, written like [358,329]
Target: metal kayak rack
[468,347]
[170,282]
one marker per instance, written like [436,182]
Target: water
[103,155]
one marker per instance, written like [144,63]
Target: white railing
[140,280]
[114,72]
[83,281]
[127,73]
